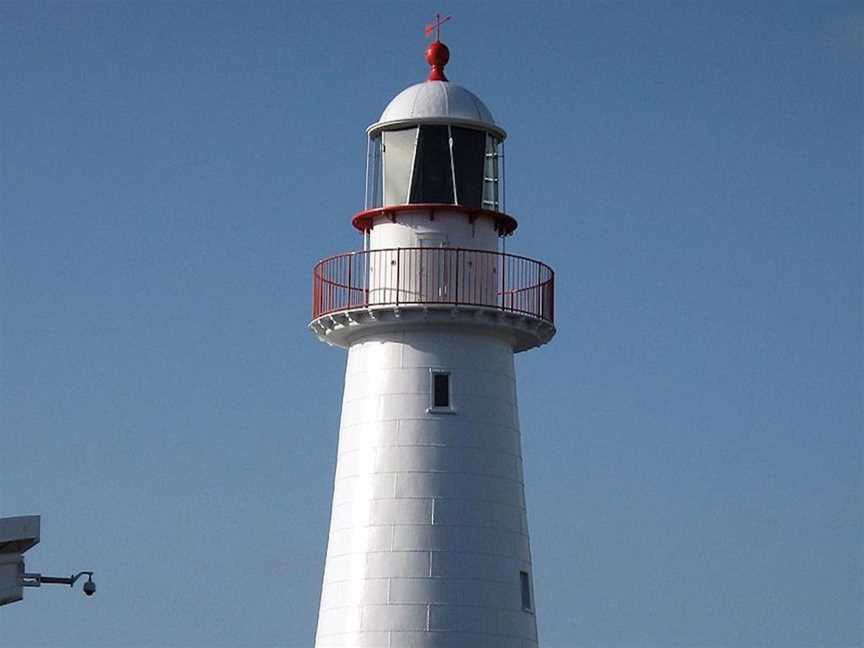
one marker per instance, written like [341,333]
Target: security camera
[89,587]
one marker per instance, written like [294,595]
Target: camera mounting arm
[36,580]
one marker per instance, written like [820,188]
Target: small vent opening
[525,583]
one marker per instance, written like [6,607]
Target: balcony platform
[342,328]
[359,293]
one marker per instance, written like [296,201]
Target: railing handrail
[440,276]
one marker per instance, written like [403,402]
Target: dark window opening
[432,181]
[525,582]
[440,390]
[469,153]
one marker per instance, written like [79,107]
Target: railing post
[398,265]
[456,297]
[314,294]
[539,289]
[366,278]
[503,274]
[350,285]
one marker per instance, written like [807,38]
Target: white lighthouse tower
[428,541]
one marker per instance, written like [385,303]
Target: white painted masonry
[428,532]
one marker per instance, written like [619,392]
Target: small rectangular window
[525,582]
[440,390]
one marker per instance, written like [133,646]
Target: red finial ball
[437,56]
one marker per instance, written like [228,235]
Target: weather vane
[435,26]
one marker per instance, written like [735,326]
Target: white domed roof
[437,102]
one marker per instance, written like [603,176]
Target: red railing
[416,276]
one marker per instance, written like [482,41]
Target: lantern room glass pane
[433,174]
[373,173]
[491,176]
[469,150]
[398,155]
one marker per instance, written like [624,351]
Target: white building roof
[18,534]
[437,102]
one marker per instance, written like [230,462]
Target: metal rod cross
[435,26]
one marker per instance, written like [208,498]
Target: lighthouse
[428,543]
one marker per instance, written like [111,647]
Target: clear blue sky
[693,435]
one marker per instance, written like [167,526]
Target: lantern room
[436,143]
